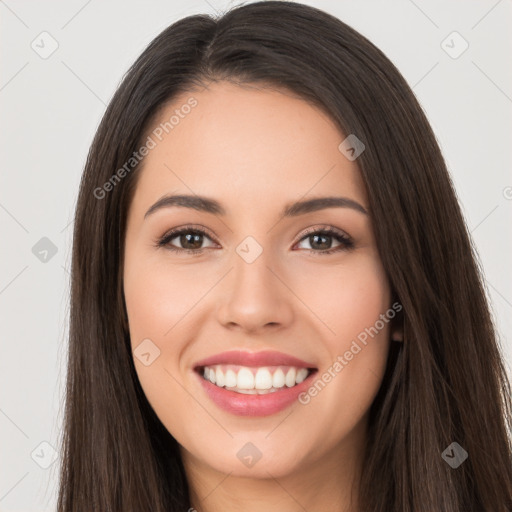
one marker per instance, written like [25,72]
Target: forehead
[246,146]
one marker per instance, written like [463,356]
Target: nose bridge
[251,269]
[254,296]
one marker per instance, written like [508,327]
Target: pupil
[189,240]
[325,245]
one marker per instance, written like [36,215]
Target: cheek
[163,301]
[157,301]
[158,297]
[347,297]
[350,300]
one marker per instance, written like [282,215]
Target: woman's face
[252,274]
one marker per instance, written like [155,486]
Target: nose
[254,298]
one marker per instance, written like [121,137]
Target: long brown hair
[446,383]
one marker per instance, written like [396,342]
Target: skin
[254,150]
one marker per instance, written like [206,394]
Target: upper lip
[262,358]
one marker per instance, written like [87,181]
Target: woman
[275,301]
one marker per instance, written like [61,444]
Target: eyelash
[346,242]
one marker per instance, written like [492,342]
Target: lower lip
[254,405]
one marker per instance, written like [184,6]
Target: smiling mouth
[254,380]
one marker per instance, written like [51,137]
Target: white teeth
[230,380]
[219,377]
[278,378]
[301,375]
[245,379]
[290,377]
[253,381]
[263,379]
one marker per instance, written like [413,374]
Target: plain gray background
[50,108]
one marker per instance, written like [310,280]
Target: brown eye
[321,241]
[190,240]
[185,239]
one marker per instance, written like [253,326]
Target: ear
[396,327]
[397,334]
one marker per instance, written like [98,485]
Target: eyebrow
[205,204]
